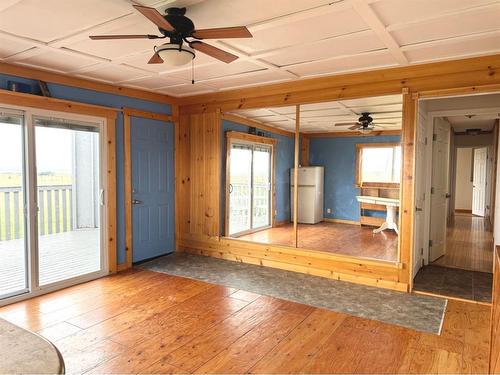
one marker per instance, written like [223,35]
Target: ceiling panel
[156,82]
[354,44]
[344,64]
[375,100]
[474,21]
[10,47]
[58,61]
[187,89]
[221,13]
[114,73]
[403,11]
[347,21]
[215,70]
[49,20]
[456,48]
[248,79]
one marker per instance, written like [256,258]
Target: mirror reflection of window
[381,164]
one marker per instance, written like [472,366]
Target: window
[378,163]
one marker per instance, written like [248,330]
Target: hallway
[465,271]
[469,244]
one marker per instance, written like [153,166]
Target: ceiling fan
[364,124]
[178,28]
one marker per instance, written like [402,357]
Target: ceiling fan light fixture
[365,130]
[174,55]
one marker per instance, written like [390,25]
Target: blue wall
[109,100]
[284,155]
[338,156]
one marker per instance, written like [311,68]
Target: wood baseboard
[341,221]
[280,223]
[463,211]
[372,221]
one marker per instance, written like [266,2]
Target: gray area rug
[420,313]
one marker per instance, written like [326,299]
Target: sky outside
[54,149]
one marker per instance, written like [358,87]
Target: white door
[439,190]
[479,181]
[420,184]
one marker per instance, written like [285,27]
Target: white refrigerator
[310,191]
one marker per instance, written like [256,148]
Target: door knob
[418,209]
[136,201]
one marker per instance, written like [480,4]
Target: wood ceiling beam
[366,12]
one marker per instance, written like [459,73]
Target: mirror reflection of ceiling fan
[364,124]
[178,28]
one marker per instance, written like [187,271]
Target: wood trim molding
[254,139]
[127,178]
[145,114]
[471,74]
[127,165]
[60,105]
[341,221]
[109,114]
[352,134]
[111,191]
[63,79]
[359,148]
[255,124]
[251,138]
[407,191]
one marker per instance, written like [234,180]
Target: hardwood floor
[146,322]
[345,239]
[469,244]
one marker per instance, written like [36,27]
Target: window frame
[250,139]
[359,150]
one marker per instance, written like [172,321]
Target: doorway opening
[457,152]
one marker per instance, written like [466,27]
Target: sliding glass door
[249,180]
[51,202]
[13,250]
[68,199]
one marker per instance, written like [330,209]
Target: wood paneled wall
[495,317]
[199,167]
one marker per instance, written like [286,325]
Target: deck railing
[54,211]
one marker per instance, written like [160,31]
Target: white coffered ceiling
[293,39]
[323,117]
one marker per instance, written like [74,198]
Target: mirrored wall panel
[348,178]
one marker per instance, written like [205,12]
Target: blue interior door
[152,150]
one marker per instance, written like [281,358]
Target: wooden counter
[25,352]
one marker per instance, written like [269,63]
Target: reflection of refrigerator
[310,191]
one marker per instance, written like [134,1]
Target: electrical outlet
[328,210]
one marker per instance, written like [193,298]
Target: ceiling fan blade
[346,124]
[104,37]
[154,16]
[223,33]
[355,127]
[213,51]
[155,59]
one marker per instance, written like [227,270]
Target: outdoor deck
[62,256]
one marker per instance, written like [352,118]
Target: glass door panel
[13,249]
[240,188]
[261,215]
[68,198]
